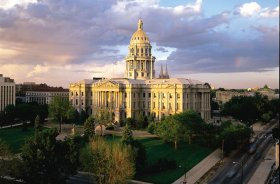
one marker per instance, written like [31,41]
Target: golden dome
[139,37]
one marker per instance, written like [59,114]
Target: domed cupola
[140,62]
[139,37]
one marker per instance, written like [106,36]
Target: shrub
[162,164]
[151,128]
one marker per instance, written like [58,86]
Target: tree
[234,135]
[10,113]
[192,122]
[127,135]
[47,160]
[131,122]
[89,127]
[113,162]
[171,129]
[266,117]
[102,118]
[71,114]
[37,124]
[138,149]
[82,116]
[58,109]
[5,154]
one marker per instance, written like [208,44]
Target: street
[231,172]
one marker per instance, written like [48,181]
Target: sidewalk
[264,168]
[14,125]
[201,168]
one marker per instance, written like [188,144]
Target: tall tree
[113,162]
[5,153]
[47,160]
[171,129]
[89,127]
[58,109]
[127,135]
[103,117]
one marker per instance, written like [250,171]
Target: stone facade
[45,97]
[7,92]
[140,92]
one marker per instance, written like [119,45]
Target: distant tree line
[23,112]
[249,109]
[189,127]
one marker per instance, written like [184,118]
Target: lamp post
[241,164]
[185,175]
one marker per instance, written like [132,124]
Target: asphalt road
[231,173]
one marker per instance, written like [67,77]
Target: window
[155,95]
[72,93]
[144,105]
[76,101]
[90,93]
[154,104]
[144,95]
[82,93]
[76,93]
[163,105]
[163,95]
[125,95]
[178,95]
[149,95]
[170,96]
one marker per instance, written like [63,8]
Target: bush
[110,127]
[151,128]
[162,164]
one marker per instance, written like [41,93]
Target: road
[231,173]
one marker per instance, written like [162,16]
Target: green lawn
[15,137]
[186,155]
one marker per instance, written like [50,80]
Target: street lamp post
[241,164]
[185,175]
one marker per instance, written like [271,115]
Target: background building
[45,96]
[224,96]
[7,92]
[140,92]
[40,93]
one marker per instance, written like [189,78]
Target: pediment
[106,84]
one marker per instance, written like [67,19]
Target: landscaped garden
[186,157]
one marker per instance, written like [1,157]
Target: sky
[230,44]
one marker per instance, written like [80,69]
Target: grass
[15,137]
[187,156]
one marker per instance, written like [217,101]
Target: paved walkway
[264,168]
[201,168]
[14,125]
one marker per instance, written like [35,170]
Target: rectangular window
[144,95]
[82,93]
[76,101]
[149,95]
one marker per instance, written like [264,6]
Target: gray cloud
[79,32]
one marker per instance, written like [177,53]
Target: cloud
[249,9]
[38,69]
[268,12]
[254,9]
[53,39]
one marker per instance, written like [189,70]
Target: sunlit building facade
[7,92]
[140,92]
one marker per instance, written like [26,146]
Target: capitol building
[140,92]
